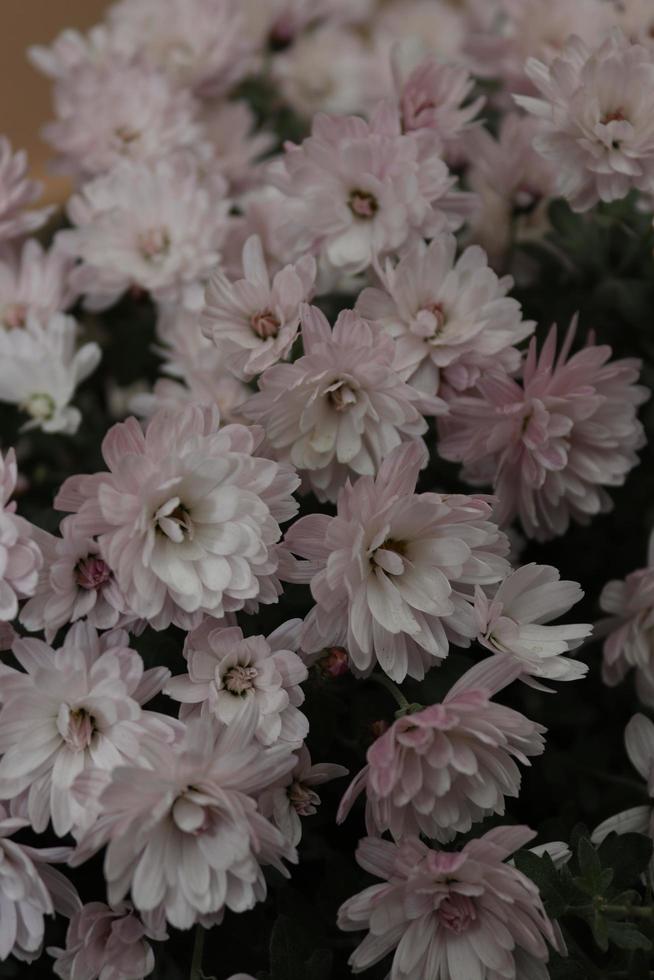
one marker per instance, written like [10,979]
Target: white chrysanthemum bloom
[393,572]
[17,192]
[341,408]
[71,709]
[227,671]
[449,317]
[33,281]
[515,621]
[159,227]
[187,517]
[183,831]
[254,321]
[20,555]
[41,368]
[596,115]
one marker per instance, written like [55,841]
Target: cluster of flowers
[261,398]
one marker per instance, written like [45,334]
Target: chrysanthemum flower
[227,671]
[551,445]
[450,915]
[17,192]
[187,517]
[393,572]
[158,227]
[33,281]
[72,709]
[514,622]
[184,833]
[451,318]
[341,408]
[255,320]
[596,119]
[435,96]
[20,555]
[439,770]
[234,143]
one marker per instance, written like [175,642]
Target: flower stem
[629,911]
[198,950]
[393,689]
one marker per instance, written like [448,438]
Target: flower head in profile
[108,943]
[628,628]
[33,282]
[294,796]
[183,831]
[72,709]
[366,189]
[450,915]
[595,114]
[436,97]
[254,321]
[187,516]
[29,890]
[156,226]
[20,555]
[515,621]
[341,408]
[228,673]
[451,318]
[439,770]
[17,192]
[553,444]
[41,367]
[393,572]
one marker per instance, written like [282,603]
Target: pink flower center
[127,135]
[616,116]
[456,912]
[239,680]
[91,572]
[341,396]
[14,315]
[154,243]
[431,320]
[190,817]
[363,204]
[303,800]
[265,324]
[76,726]
[173,520]
[334,663]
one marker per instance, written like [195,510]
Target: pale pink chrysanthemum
[71,709]
[20,555]
[29,889]
[41,367]
[366,189]
[436,97]
[187,517]
[156,226]
[33,281]
[235,145]
[341,408]
[254,321]
[639,743]
[419,28]
[295,796]
[439,770]
[551,445]
[596,120]
[71,51]
[228,673]
[275,219]
[281,23]
[451,318]
[636,19]
[628,628]
[450,915]
[17,192]
[184,833]
[74,583]
[118,110]
[201,44]
[515,621]
[529,29]
[104,943]
[393,572]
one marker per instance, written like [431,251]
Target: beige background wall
[24,93]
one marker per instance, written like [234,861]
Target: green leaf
[600,927]
[627,936]
[543,873]
[628,855]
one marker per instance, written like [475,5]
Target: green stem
[629,911]
[198,951]
[393,689]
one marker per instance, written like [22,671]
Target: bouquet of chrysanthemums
[326,484]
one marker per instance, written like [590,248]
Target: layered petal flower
[20,555]
[17,192]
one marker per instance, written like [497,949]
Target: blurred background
[25,103]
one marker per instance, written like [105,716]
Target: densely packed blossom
[20,555]
[595,117]
[392,574]
[439,770]
[187,517]
[18,192]
[551,444]
[449,915]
